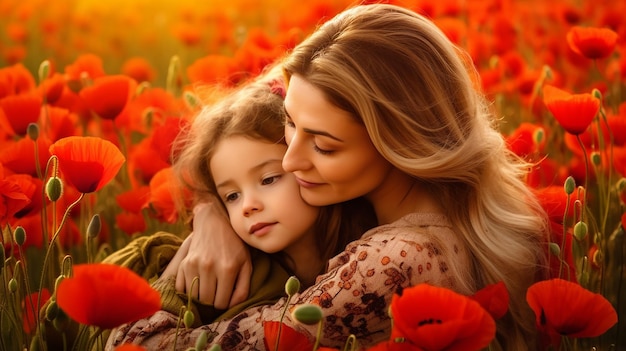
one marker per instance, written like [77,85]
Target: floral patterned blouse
[354,294]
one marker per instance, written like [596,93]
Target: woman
[381,105]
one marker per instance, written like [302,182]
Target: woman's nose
[295,156]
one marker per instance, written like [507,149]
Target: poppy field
[93,94]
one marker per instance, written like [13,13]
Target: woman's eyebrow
[322,133]
[313,131]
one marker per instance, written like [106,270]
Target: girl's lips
[261,228]
[305,184]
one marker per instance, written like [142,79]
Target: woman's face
[329,152]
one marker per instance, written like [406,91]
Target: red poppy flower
[145,162]
[139,69]
[523,140]
[134,199]
[88,65]
[435,318]
[21,110]
[109,95]
[19,156]
[130,223]
[106,295]
[164,135]
[52,88]
[574,112]
[30,315]
[60,123]
[31,187]
[88,163]
[15,79]
[592,43]
[12,198]
[213,69]
[129,347]
[494,298]
[289,338]
[161,201]
[563,308]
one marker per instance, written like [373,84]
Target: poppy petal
[436,318]
[568,309]
[88,163]
[290,339]
[106,295]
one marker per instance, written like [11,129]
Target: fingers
[206,288]
[174,264]
[242,285]
[224,290]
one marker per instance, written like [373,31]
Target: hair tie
[277,86]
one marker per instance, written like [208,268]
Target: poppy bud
[142,87]
[621,184]
[538,135]
[596,159]
[597,94]
[188,318]
[20,235]
[12,285]
[93,229]
[292,286]
[215,347]
[570,185]
[54,188]
[308,314]
[191,100]
[61,321]
[555,249]
[33,131]
[52,310]
[202,340]
[580,230]
[44,70]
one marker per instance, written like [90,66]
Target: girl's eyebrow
[313,131]
[252,170]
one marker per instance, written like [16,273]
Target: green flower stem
[49,250]
[280,322]
[318,336]
[180,320]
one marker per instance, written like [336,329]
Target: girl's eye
[270,180]
[231,197]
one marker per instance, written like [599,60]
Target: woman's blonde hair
[255,110]
[401,77]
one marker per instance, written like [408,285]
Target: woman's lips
[303,183]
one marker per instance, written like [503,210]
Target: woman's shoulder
[412,226]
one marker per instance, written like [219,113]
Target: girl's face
[329,152]
[263,201]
